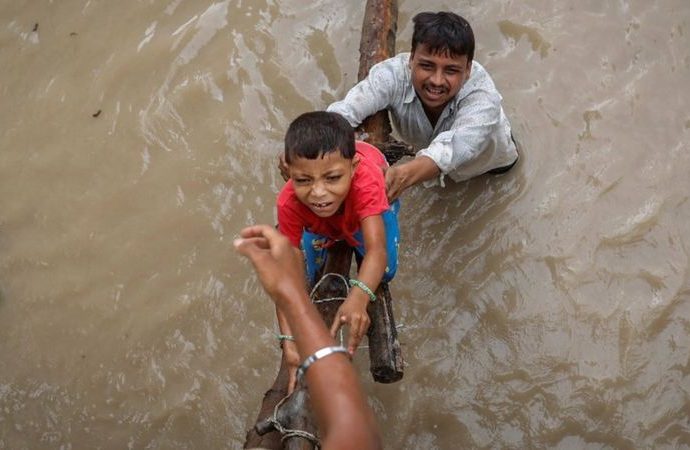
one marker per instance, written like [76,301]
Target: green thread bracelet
[364,287]
[284,337]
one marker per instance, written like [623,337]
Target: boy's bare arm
[289,347]
[354,310]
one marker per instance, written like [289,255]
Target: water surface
[545,308]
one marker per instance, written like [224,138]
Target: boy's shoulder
[368,188]
[286,197]
[370,154]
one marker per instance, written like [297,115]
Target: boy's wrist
[359,298]
[355,283]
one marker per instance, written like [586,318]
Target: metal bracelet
[321,353]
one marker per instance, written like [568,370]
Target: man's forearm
[421,169]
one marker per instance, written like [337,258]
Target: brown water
[545,308]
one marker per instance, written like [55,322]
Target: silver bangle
[321,353]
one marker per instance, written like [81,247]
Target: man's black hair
[443,32]
[314,134]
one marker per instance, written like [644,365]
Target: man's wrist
[421,169]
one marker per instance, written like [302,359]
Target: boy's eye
[301,181]
[333,178]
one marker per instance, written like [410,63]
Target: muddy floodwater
[548,307]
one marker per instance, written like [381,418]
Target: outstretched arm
[371,95]
[290,352]
[344,417]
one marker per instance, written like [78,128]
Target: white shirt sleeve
[462,149]
[371,95]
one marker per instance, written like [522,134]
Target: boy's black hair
[314,134]
[443,32]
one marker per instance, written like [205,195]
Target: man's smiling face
[437,77]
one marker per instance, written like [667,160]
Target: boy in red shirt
[337,191]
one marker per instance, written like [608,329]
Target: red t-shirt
[367,197]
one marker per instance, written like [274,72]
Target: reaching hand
[352,312]
[276,261]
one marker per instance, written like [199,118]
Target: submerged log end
[385,355]
[262,434]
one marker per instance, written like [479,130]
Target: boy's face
[437,77]
[322,183]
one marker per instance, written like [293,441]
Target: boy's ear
[284,167]
[355,161]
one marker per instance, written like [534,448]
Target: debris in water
[96,114]
[35,27]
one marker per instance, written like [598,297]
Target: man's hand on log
[395,182]
[352,312]
[406,174]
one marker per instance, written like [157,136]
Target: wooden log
[260,436]
[377,43]
[385,355]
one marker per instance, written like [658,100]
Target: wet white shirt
[472,135]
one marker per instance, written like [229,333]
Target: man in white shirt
[441,102]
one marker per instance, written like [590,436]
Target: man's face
[322,184]
[437,77]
